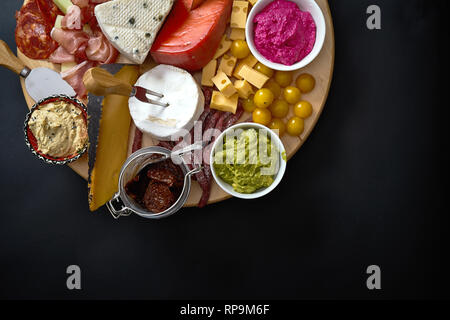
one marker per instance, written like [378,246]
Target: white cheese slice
[132,25]
[181,92]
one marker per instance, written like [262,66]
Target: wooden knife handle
[9,60]
[101,83]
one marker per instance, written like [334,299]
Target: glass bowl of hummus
[248,160]
[285,35]
[56,129]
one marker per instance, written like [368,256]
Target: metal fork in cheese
[181,92]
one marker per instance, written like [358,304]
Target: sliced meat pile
[38,39]
[157,187]
[34,22]
[213,123]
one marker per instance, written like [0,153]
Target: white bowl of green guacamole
[248,160]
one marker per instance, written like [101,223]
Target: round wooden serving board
[321,68]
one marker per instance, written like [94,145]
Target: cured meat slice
[34,23]
[30,7]
[49,10]
[60,55]
[97,49]
[137,141]
[100,49]
[113,53]
[71,40]
[75,75]
[235,117]
[33,36]
[45,9]
[221,122]
[72,19]
[200,122]
[166,144]
[205,184]
[209,129]
[88,16]
[207,92]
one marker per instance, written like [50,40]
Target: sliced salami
[33,36]
[235,117]
[49,10]
[205,184]
[166,144]
[137,141]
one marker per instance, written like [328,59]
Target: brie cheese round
[181,92]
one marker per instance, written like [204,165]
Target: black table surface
[367,188]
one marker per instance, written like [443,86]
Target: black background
[368,187]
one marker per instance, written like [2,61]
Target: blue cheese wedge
[132,25]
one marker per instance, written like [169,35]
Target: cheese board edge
[327,53]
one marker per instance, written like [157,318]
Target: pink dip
[283,33]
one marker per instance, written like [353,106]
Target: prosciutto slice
[60,55]
[75,75]
[72,19]
[70,40]
[100,49]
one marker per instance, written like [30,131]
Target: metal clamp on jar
[123,205]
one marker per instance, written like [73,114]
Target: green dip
[248,161]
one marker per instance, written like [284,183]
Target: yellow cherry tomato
[273,86]
[263,69]
[292,94]
[303,109]
[239,49]
[305,82]
[283,78]
[295,126]
[263,98]
[279,108]
[248,104]
[278,124]
[262,116]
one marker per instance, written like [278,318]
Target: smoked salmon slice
[190,38]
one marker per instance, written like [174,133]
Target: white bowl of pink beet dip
[285,35]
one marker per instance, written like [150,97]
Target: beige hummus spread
[283,33]
[59,128]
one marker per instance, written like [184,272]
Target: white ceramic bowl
[279,175]
[304,5]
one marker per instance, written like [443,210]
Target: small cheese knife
[39,82]
[100,82]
